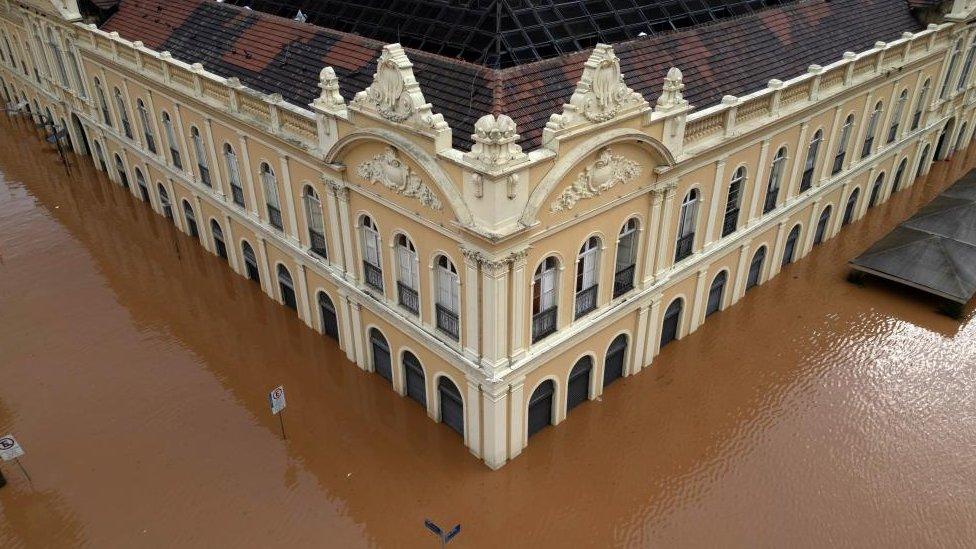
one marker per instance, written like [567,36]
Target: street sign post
[444,537]
[277,399]
[10,450]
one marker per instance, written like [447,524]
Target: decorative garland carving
[605,173]
[388,170]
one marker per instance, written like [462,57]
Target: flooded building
[511,208]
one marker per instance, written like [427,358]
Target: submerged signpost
[10,450]
[277,399]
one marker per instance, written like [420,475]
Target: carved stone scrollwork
[671,97]
[329,100]
[395,94]
[495,141]
[391,172]
[605,173]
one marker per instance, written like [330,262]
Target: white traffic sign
[9,449]
[277,399]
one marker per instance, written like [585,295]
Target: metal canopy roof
[504,33]
[934,250]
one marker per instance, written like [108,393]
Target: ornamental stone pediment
[388,170]
[606,172]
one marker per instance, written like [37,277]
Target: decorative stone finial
[495,141]
[329,100]
[671,97]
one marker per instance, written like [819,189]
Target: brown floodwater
[134,369]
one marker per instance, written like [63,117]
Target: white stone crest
[495,141]
[329,100]
[605,173]
[395,94]
[388,170]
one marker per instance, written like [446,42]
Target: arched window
[330,320]
[448,302]
[953,61]
[922,162]
[756,268]
[201,154]
[578,388]
[120,168]
[545,298]
[842,141]
[287,288]
[733,201]
[920,106]
[967,67]
[382,362]
[143,188]
[407,276]
[372,270]
[671,325]
[541,405]
[164,202]
[174,150]
[250,262]
[218,239]
[33,61]
[147,130]
[191,220]
[899,174]
[876,190]
[123,114]
[613,363]
[716,293]
[851,207]
[451,405]
[811,162]
[76,72]
[103,103]
[822,226]
[789,251]
[58,59]
[687,221]
[624,270]
[896,116]
[872,129]
[315,221]
[40,51]
[234,175]
[414,379]
[775,178]
[270,184]
[587,276]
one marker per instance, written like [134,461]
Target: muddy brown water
[134,368]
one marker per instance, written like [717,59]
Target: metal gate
[672,317]
[578,390]
[381,355]
[822,227]
[755,268]
[452,407]
[715,293]
[250,262]
[414,377]
[287,288]
[540,407]
[613,365]
[330,322]
[790,250]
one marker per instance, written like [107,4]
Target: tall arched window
[842,142]
[174,150]
[103,103]
[624,270]
[953,61]
[967,67]
[876,190]
[76,72]
[120,168]
[270,184]
[920,106]
[58,59]
[372,270]
[809,166]
[147,130]
[315,221]
[234,175]
[123,114]
[201,154]
[408,279]
[287,288]
[587,276]
[896,116]
[872,129]
[448,303]
[733,201]
[545,298]
[899,175]
[775,178]
[687,221]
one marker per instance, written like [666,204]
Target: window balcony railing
[586,300]
[373,275]
[274,217]
[237,193]
[317,241]
[623,281]
[731,222]
[447,322]
[408,297]
[807,180]
[205,175]
[544,324]
[683,247]
[770,203]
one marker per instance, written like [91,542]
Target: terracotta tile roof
[733,56]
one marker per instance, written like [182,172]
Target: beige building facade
[500,287]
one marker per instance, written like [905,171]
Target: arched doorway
[287,288]
[789,251]
[451,405]
[960,137]
[82,136]
[941,148]
[716,292]
[330,321]
[218,238]
[120,167]
[191,220]
[100,157]
[578,389]
[381,355]
[921,162]
[413,375]
[822,226]
[876,191]
[250,262]
[671,322]
[851,207]
[540,406]
[164,201]
[755,269]
[143,188]
[613,364]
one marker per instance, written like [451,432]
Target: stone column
[267,282]
[653,344]
[800,159]
[698,308]
[181,146]
[472,423]
[232,246]
[841,208]
[518,306]
[247,170]
[830,147]
[811,232]
[153,116]
[304,310]
[757,186]
[640,340]
[494,298]
[336,231]
[214,161]
[653,221]
[362,356]
[495,427]
[713,213]
[741,272]
[472,308]
[203,225]
[291,224]
[661,263]
[778,247]
[860,131]
[348,232]
[348,341]
[516,430]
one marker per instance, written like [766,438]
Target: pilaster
[472,427]
[799,159]
[713,213]
[494,298]
[758,183]
[640,340]
[248,173]
[495,427]
[660,262]
[304,310]
[741,272]
[291,226]
[472,305]
[698,309]
[516,427]
[518,305]
[653,344]
[651,237]
[776,259]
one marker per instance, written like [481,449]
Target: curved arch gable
[585,149]
[428,163]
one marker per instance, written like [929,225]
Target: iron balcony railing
[205,175]
[408,297]
[274,217]
[317,241]
[447,321]
[683,247]
[771,197]
[586,300]
[238,194]
[373,275]
[731,222]
[544,324]
[623,281]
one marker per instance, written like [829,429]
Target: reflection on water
[135,366]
